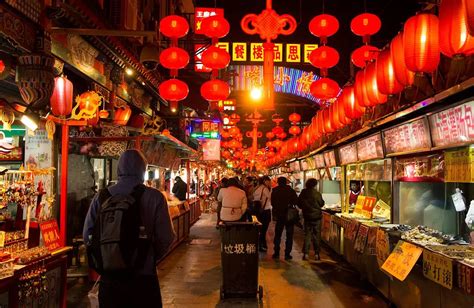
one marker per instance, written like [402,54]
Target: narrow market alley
[191,277]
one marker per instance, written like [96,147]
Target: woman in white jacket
[233,202]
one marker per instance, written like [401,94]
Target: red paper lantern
[173,90]
[360,90]
[270,135]
[365,24]
[294,117]
[323,26]
[277,130]
[469,10]
[362,55]
[174,58]
[174,26]
[341,112]
[225,134]
[315,130]
[234,144]
[226,154]
[294,130]
[215,26]
[215,58]
[387,83]
[328,127]
[324,57]
[334,117]
[352,108]
[282,135]
[103,114]
[324,88]
[421,43]
[397,52]
[371,86]
[277,143]
[215,90]
[454,38]
[233,131]
[122,115]
[61,100]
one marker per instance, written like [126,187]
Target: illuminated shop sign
[201,129]
[203,12]
[286,80]
[289,52]
[413,136]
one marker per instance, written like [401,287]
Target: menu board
[453,126]
[408,137]
[295,166]
[319,160]
[348,154]
[459,166]
[330,158]
[370,148]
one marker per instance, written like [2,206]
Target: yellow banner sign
[402,259]
[239,51]
[438,268]
[459,166]
[293,53]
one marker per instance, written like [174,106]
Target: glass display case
[370,179]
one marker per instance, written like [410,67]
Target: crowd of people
[241,200]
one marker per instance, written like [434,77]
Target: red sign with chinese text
[409,137]
[50,232]
[203,12]
[453,126]
[348,154]
[370,148]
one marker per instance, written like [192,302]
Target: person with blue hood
[142,289]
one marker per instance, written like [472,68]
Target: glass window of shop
[372,179]
[424,188]
[331,185]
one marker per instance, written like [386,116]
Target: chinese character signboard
[330,158]
[227,105]
[211,149]
[382,246]
[453,126]
[50,232]
[283,52]
[370,148]
[256,52]
[409,137]
[319,159]
[348,154]
[402,259]
[293,53]
[459,166]
[198,66]
[203,12]
[438,268]
[204,129]
[239,52]
[361,239]
[308,48]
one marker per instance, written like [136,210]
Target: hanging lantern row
[174,58]
[215,58]
[415,50]
[324,57]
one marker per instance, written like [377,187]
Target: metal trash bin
[239,255]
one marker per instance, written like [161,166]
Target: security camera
[149,56]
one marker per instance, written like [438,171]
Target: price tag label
[402,259]
[438,268]
[359,204]
[361,239]
[382,246]
[50,232]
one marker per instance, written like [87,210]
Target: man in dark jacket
[180,188]
[142,289]
[283,196]
[311,202]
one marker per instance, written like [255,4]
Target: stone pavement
[191,276]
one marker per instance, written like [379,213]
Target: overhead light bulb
[256,94]
[29,122]
[129,71]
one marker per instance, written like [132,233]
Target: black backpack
[119,243]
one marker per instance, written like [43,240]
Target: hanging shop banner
[438,268]
[203,12]
[370,148]
[361,239]
[382,246]
[203,129]
[211,149]
[50,232]
[287,52]
[453,126]
[348,154]
[402,259]
[409,137]
[330,158]
[371,241]
[319,160]
[459,166]
[74,50]
[286,80]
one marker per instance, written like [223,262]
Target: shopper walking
[249,187]
[311,202]
[263,194]
[150,233]
[283,196]
[233,202]
[180,189]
